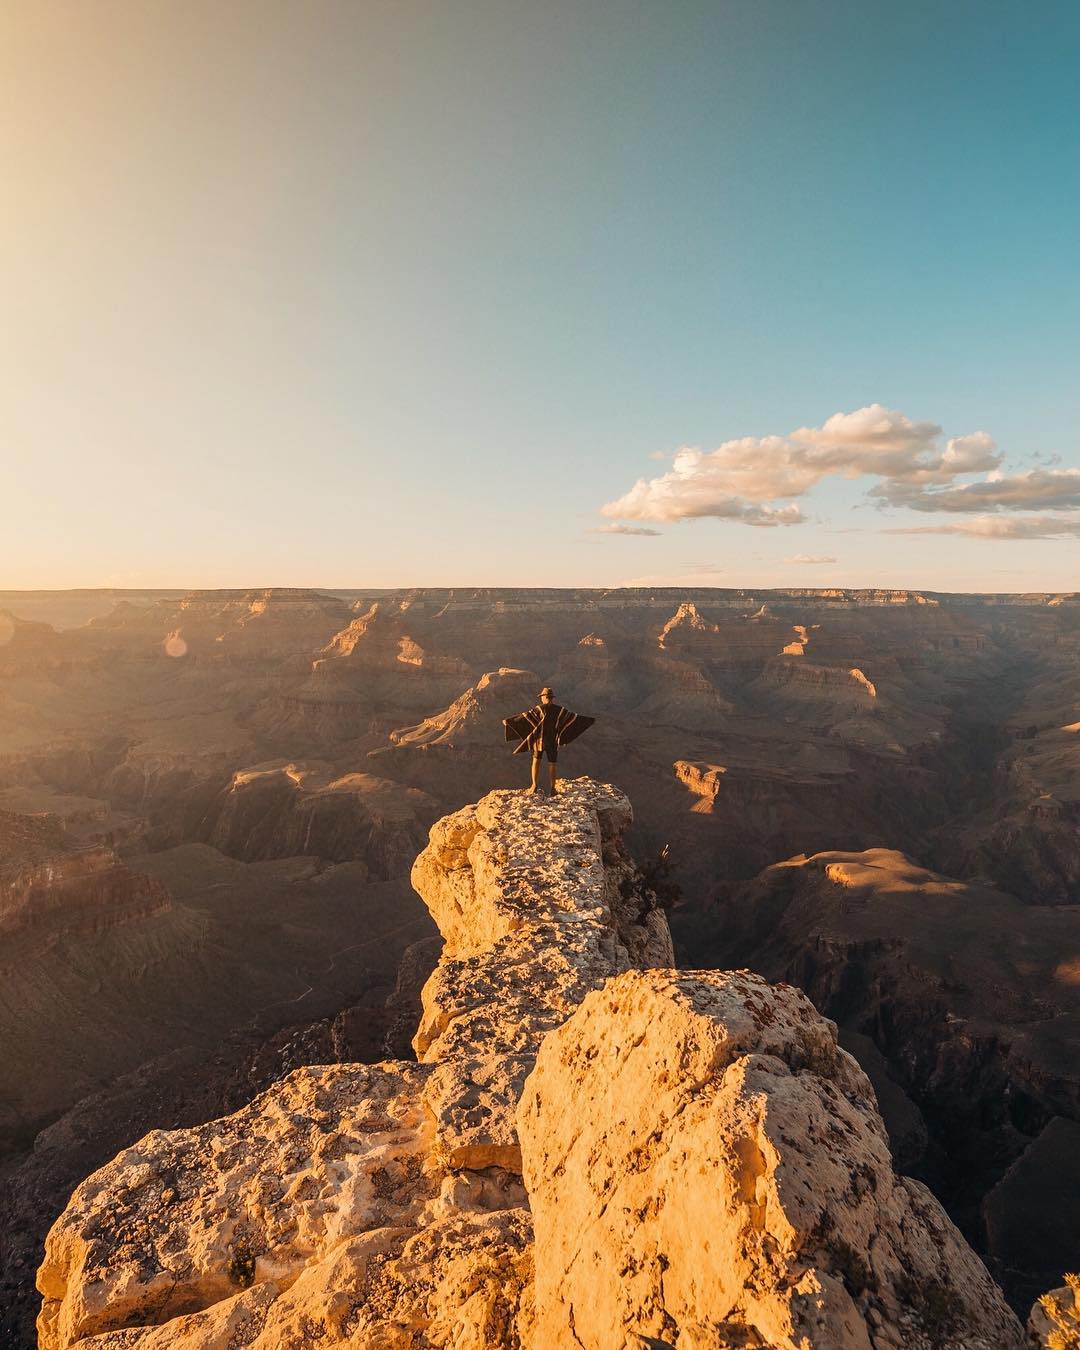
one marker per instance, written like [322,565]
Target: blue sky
[407,293]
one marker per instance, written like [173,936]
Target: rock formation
[684,1159]
[973,999]
[706,1167]
[287,808]
[169,724]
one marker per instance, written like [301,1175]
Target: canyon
[210,803]
[591,1148]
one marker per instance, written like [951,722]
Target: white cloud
[737,479]
[872,435]
[696,487]
[970,454]
[642,530]
[1039,489]
[1001,527]
[753,480]
[810,559]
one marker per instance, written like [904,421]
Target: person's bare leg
[535,774]
[554,770]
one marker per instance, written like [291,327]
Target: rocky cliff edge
[593,1150]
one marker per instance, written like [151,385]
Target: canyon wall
[592,1149]
[242,780]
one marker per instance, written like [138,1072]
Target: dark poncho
[528,727]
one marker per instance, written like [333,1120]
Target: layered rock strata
[702,1165]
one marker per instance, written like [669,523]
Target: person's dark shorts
[548,748]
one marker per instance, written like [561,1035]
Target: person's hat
[546,690]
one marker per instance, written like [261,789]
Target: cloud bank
[753,479]
[1057,489]
[1001,527]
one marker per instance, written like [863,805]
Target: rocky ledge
[593,1150]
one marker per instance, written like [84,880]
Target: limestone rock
[374,1206]
[706,1167]
[183,1219]
[535,897]
[701,1164]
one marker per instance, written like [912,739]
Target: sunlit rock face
[379,1205]
[539,903]
[963,1004]
[682,1156]
[705,1166]
[731,718]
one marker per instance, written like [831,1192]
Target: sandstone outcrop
[377,1195]
[705,1167]
[685,1158]
[973,998]
[475,718]
[131,728]
[538,905]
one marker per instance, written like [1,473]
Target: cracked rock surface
[706,1167]
[374,1205]
[684,1158]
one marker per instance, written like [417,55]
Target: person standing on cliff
[542,729]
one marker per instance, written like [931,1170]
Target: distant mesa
[475,718]
[806,679]
[797,646]
[683,696]
[290,808]
[685,617]
[211,624]
[703,780]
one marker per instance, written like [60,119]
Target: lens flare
[174,645]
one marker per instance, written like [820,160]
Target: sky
[571,293]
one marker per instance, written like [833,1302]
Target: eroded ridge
[539,903]
[374,1205]
[707,1168]
[684,1159]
